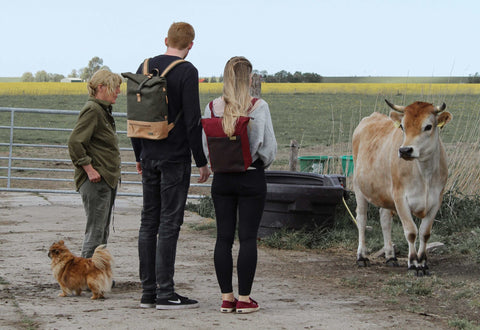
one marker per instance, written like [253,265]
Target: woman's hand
[92,173]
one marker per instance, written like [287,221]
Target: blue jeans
[98,199]
[165,190]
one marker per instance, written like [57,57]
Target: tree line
[96,63]
[474,79]
[86,73]
[296,77]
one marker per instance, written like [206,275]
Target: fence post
[292,163]
[256,87]
[10,152]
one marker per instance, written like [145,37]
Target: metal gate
[34,155]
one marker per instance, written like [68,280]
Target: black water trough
[297,199]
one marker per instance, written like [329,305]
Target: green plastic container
[316,164]
[347,165]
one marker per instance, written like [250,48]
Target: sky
[328,37]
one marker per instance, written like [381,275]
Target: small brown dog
[75,274]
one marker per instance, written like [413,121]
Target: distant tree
[297,77]
[269,78]
[312,77]
[55,77]
[281,76]
[41,76]
[95,64]
[28,77]
[475,79]
[73,74]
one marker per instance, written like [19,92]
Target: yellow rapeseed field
[51,88]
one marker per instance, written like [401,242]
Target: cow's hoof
[392,262]
[412,271]
[423,271]
[363,262]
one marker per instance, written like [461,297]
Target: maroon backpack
[227,154]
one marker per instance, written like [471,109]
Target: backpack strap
[146,71]
[211,109]
[170,67]
[253,105]
[145,67]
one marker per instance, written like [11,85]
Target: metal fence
[26,139]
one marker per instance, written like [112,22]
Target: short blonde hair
[180,35]
[106,78]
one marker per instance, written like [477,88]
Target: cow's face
[420,123]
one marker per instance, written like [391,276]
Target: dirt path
[287,285]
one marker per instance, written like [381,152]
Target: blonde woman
[242,192]
[93,148]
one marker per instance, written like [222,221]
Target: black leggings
[245,193]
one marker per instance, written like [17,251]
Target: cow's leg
[386,222]
[425,230]
[410,231]
[362,206]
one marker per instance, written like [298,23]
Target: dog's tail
[103,261]
[101,258]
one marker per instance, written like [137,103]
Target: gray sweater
[263,144]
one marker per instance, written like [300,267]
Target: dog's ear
[61,242]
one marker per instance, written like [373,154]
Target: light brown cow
[400,166]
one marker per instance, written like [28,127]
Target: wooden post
[256,87]
[292,163]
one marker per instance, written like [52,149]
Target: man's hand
[204,174]
[139,167]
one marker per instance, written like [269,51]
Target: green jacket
[94,141]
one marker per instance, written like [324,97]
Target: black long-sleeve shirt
[185,139]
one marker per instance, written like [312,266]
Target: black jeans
[242,193]
[165,190]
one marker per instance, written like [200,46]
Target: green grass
[311,119]
[462,324]
[204,207]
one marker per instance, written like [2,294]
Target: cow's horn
[395,107]
[439,109]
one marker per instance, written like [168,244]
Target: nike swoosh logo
[175,301]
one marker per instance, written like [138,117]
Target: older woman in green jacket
[93,148]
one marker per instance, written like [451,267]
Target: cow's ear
[396,117]
[444,118]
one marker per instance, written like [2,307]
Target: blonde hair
[180,35]
[236,92]
[106,78]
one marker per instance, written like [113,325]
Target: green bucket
[347,165]
[316,164]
